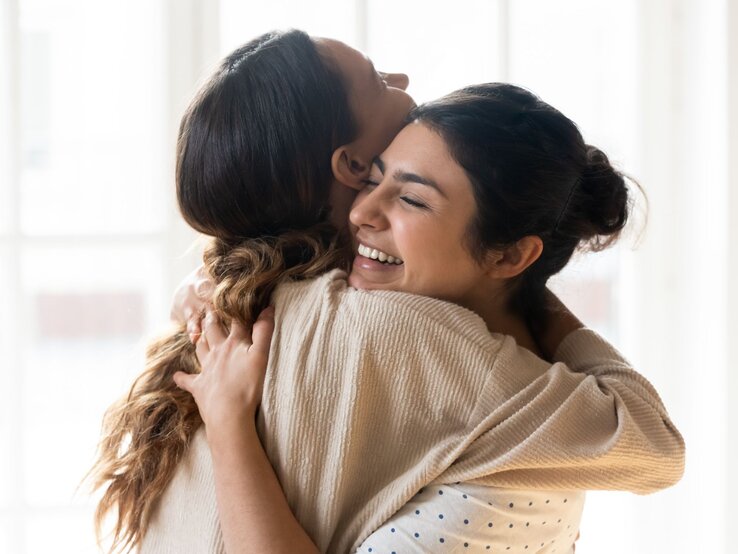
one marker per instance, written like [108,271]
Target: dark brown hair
[532,174]
[253,171]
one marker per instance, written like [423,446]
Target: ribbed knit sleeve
[595,424]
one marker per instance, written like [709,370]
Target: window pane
[465,52]
[60,533]
[241,21]
[92,85]
[585,65]
[8,374]
[5,529]
[588,286]
[87,309]
[8,110]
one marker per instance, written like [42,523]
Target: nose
[397,80]
[367,211]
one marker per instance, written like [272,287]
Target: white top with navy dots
[474,518]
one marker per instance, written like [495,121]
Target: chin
[358,283]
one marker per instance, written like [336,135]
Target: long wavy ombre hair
[253,172]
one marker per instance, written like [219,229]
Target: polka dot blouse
[474,518]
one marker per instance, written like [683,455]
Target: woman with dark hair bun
[426,373]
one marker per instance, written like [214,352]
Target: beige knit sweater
[369,396]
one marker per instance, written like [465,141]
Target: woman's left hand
[228,389]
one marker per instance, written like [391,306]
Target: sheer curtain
[91,245]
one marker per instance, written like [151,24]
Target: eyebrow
[407,177]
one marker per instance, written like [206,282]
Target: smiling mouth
[378,255]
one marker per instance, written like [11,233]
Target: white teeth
[377,255]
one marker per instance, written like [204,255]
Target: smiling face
[378,100]
[379,105]
[417,208]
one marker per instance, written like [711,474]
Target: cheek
[436,256]
[429,247]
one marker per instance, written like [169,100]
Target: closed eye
[413,202]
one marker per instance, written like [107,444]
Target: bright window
[91,245]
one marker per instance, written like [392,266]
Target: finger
[240,332]
[184,380]
[204,288]
[202,349]
[194,329]
[262,333]
[212,329]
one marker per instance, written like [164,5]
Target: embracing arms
[510,391]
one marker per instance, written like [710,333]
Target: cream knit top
[372,395]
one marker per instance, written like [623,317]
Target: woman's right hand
[190,299]
[229,387]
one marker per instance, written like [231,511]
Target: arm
[254,513]
[594,424]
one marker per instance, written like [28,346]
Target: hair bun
[603,201]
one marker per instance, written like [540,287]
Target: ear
[515,259]
[348,168]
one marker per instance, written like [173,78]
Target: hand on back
[233,364]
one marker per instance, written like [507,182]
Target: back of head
[254,166]
[532,174]
[254,148]
[253,171]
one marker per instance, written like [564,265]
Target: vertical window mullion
[731,509]
[11,370]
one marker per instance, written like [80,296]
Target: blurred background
[92,246]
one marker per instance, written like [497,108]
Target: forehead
[419,144]
[356,68]
[420,149]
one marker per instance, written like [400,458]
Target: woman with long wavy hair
[267,153]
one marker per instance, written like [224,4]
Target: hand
[229,387]
[190,299]
[558,322]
